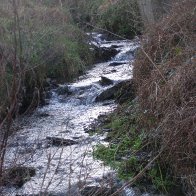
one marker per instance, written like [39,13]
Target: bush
[121,17]
[165,74]
[40,40]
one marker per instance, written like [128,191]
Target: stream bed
[71,111]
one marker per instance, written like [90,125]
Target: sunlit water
[58,168]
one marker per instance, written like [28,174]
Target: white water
[58,169]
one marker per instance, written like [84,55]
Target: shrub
[121,17]
[165,74]
[40,39]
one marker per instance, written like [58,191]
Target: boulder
[107,94]
[108,53]
[18,175]
[105,81]
[121,92]
[105,53]
[55,141]
[110,93]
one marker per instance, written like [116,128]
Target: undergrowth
[162,131]
[38,40]
[165,75]
[128,150]
[121,17]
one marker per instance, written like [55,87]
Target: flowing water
[68,116]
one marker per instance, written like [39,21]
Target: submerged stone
[18,175]
[105,53]
[105,81]
[116,63]
[63,90]
[55,141]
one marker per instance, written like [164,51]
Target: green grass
[160,179]
[126,142]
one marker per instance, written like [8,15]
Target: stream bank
[129,152]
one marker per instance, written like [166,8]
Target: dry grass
[38,40]
[165,75]
[43,40]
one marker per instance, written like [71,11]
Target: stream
[71,111]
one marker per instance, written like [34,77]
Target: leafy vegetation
[121,17]
[128,151]
[164,75]
[160,180]
[41,39]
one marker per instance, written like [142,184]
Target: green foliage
[118,123]
[128,168]
[159,178]
[125,149]
[111,155]
[121,17]
[44,40]
[137,143]
[125,140]
[125,126]
[178,50]
[106,154]
[84,11]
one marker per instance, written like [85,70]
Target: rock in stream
[55,141]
